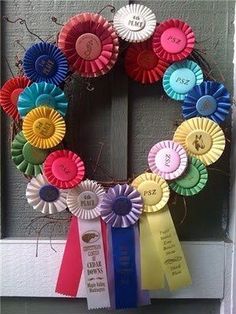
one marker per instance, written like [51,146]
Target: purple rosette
[121,206]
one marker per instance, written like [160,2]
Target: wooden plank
[22,274]
[119,125]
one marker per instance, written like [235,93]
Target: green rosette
[193,180]
[28,159]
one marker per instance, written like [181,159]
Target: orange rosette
[142,64]
[9,94]
[90,44]
[44,127]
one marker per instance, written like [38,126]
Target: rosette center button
[182,80]
[88,46]
[45,66]
[134,22]
[206,105]
[43,127]
[167,160]
[87,200]
[173,40]
[199,142]
[64,169]
[151,192]
[122,205]
[147,59]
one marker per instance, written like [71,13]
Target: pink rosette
[121,206]
[63,169]
[173,40]
[90,44]
[168,159]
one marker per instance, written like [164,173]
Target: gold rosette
[201,138]
[154,191]
[44,127]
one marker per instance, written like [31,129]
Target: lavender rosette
[121,206]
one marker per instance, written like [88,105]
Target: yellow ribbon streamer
[152,276]
[168,248]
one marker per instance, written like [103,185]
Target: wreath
[121,234]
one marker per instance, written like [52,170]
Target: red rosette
[64,169]
[173,40]
[90,44]
[142,64]
[9,94]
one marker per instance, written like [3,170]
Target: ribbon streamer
[93,258]
[71,266]
[169,249]
[125,275]
[152,275]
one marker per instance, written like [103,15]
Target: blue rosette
[45,62]
[180,78]
[42,94]
[209,99]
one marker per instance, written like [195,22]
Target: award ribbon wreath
[116,236]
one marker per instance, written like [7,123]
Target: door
[124,120]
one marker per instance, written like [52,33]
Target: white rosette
[45,197]
[134,22]
[84,200]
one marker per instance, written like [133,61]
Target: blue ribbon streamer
[125,274]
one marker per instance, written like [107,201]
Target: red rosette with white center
[9,94]
[142,64]
[173,40]
[90,44]
[64,169]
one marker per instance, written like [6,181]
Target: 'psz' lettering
[150,192]
[182,81]
[167,160]
[174,40]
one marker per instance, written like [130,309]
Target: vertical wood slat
[119,118]
[119,126]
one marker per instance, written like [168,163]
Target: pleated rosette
[168,159]
[9,95]
[154,191]
[44,127]
[27,158]
[209,99]
[90,44]
[173,40]
[84,201]
[42,94]
[201,138]
[180,78]
[142,64]
[135,22]
[121,206]
[45,197]
[45,62]
[193,180]
[64,169]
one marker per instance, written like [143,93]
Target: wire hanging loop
[55,20]
[112,9]
[23,22]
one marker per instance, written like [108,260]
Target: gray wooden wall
[128,119]
[123,116]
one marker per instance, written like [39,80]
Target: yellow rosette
[44,127]
[161,252]
[201,138]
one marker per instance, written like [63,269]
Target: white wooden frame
[212,264]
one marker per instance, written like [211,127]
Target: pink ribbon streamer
[71,266]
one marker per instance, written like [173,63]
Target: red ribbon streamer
[71,266]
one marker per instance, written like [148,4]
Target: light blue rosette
[42,94]
[180,78]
